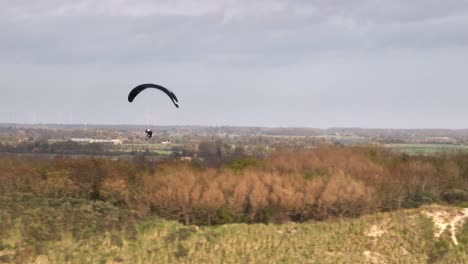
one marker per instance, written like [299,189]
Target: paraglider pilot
[149,133]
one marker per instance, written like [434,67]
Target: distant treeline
[214,152]
[65,147]
[68,148]
[286,185]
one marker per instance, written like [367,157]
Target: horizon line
[234,126]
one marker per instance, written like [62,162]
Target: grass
[160,149]
[406,237]
[427,149]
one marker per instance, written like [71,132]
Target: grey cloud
[215,31]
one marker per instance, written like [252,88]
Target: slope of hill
[423,235]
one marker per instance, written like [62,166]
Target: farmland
[427,149]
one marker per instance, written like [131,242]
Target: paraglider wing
[142,87]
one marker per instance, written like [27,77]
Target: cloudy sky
[307,63]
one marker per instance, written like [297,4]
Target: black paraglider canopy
[135,91]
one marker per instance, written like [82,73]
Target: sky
[289,63]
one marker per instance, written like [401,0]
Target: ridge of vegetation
[122,207]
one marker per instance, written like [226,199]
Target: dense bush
[290,184]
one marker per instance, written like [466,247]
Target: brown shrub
[57,183]
[344,195]
[292,183]
[115,190]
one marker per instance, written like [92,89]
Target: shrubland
[66,208]
[288,185]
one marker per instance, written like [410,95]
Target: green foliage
[116,240]
[311,174]
[181,251]
[439,250]
[274,214]
[179,235]
[463,235]
[429,197]
[49,219]
[239,164]
[426,227]
[421,198]
[224,216]
[455,196]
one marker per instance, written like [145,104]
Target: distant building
[165,142]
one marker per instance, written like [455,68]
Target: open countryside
[273,131]
[213,196]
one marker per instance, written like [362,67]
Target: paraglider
[149,133]
[137,90]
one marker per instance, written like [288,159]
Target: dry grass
[408,238]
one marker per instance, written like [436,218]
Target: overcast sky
[306,63]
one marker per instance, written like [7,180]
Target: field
[427,149]
[160,149]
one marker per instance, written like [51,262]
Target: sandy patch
[374,257]
[7,253]
[375,231]
[444,220]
